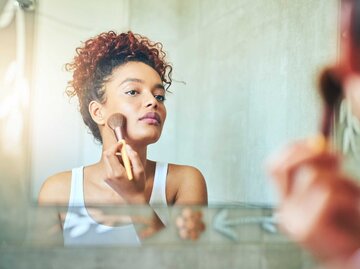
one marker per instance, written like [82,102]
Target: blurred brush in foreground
[319,205]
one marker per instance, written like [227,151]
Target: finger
[285,165]
[346,206]
[298,153]
[137,165]
[113,149]
[307,201]
[114,169]
[278,165]
[126,162]
[331,206]
[326,213]
[306,177]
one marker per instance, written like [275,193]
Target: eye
[132,92]
[160,98]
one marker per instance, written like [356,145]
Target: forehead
[135,70]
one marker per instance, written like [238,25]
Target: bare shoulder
[187,184]
[56,189]
[181,171]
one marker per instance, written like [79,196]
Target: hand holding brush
[116,122]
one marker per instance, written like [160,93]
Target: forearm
[148,222]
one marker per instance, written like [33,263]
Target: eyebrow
[156,86]
[131,80]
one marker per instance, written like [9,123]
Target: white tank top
[81,229]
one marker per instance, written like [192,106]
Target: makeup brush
[330,86]
[332,79]
[116,122]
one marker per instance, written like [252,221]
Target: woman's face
[135,90]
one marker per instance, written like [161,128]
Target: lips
[151,117]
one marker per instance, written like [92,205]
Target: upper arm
[55,190]
[192,187]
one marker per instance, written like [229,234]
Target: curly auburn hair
[95,61]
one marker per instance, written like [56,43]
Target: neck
[142,153]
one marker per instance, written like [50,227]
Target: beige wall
[58,136]
[249,68]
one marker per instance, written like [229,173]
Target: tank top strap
[77,187]
[76,199]
[158,194]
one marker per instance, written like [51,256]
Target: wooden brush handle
[320,143]
[126,160]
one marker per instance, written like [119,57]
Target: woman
[127,74]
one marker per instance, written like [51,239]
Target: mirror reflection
[121,81]
[243,84]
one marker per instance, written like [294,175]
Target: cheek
[129,111]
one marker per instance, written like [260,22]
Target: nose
[151,101]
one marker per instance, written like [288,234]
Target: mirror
[244,84]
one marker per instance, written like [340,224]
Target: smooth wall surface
[244,83]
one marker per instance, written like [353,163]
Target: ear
[96,112]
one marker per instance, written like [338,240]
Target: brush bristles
[116,120]
[331,93]
[330,88]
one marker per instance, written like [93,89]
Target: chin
[146,138]
[152,139]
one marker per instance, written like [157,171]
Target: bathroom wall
[244,83]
